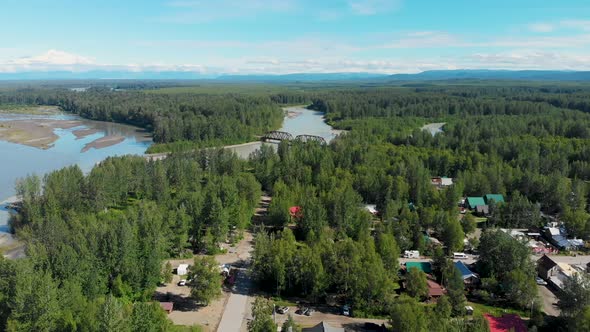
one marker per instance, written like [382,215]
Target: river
[298,121]
[82,142]
[69,148]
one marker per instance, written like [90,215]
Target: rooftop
[475,201]
[494,197]
[465,271]
[425,267]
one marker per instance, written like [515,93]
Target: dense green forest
[95,243]
[195,119]
[99,239]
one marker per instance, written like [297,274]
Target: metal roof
[465,271]
[475,201]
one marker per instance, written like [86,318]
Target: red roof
[506,323]
[434,289]
[295,211]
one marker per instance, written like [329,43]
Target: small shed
[323,327]
[182,269]
[167,306]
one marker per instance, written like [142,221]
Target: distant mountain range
[521,75]
[432,75]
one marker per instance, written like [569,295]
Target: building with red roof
[434,290]
[506,323]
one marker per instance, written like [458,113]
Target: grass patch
[29,109]
[496,311]
[183,328]
[283,303]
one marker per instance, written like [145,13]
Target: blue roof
[465,271]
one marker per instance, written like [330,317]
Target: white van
[459,255]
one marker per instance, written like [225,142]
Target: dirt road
[548,299]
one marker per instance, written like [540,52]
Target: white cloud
[373,7]
[541,27]
[54,57]
[577,24]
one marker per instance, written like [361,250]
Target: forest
[98,240]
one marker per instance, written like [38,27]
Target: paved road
[236,309]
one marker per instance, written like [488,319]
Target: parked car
[301,311]
[283,310]
[540,281]
[182,282]
[309,312]
[345,310]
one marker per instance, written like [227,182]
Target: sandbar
[103,142]
[37,133]
[81,133]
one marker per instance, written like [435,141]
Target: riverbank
[37,133]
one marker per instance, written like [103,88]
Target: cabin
[435,291]
[323,327]
[496,198]
[469,278]
[473,202]
[441,181]
[547,267]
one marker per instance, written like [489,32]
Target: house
[469,278]
[323,327]
[506,323]
[496,198]
[473,202]
[182,269]
[546,267]
[167,306]
[560,240]
[435,290]
[441,181]
[425,267]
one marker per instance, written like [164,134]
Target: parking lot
[330,315]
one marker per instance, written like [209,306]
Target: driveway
[548,298]
[237,307]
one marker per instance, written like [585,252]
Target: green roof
[494,197]
[475,201]
[422,266]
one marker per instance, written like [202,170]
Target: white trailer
[182,269]
[411,254]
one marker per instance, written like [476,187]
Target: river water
[20,160]
[298,121]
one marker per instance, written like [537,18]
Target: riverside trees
[96,242]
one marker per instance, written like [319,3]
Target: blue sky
[263,36]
